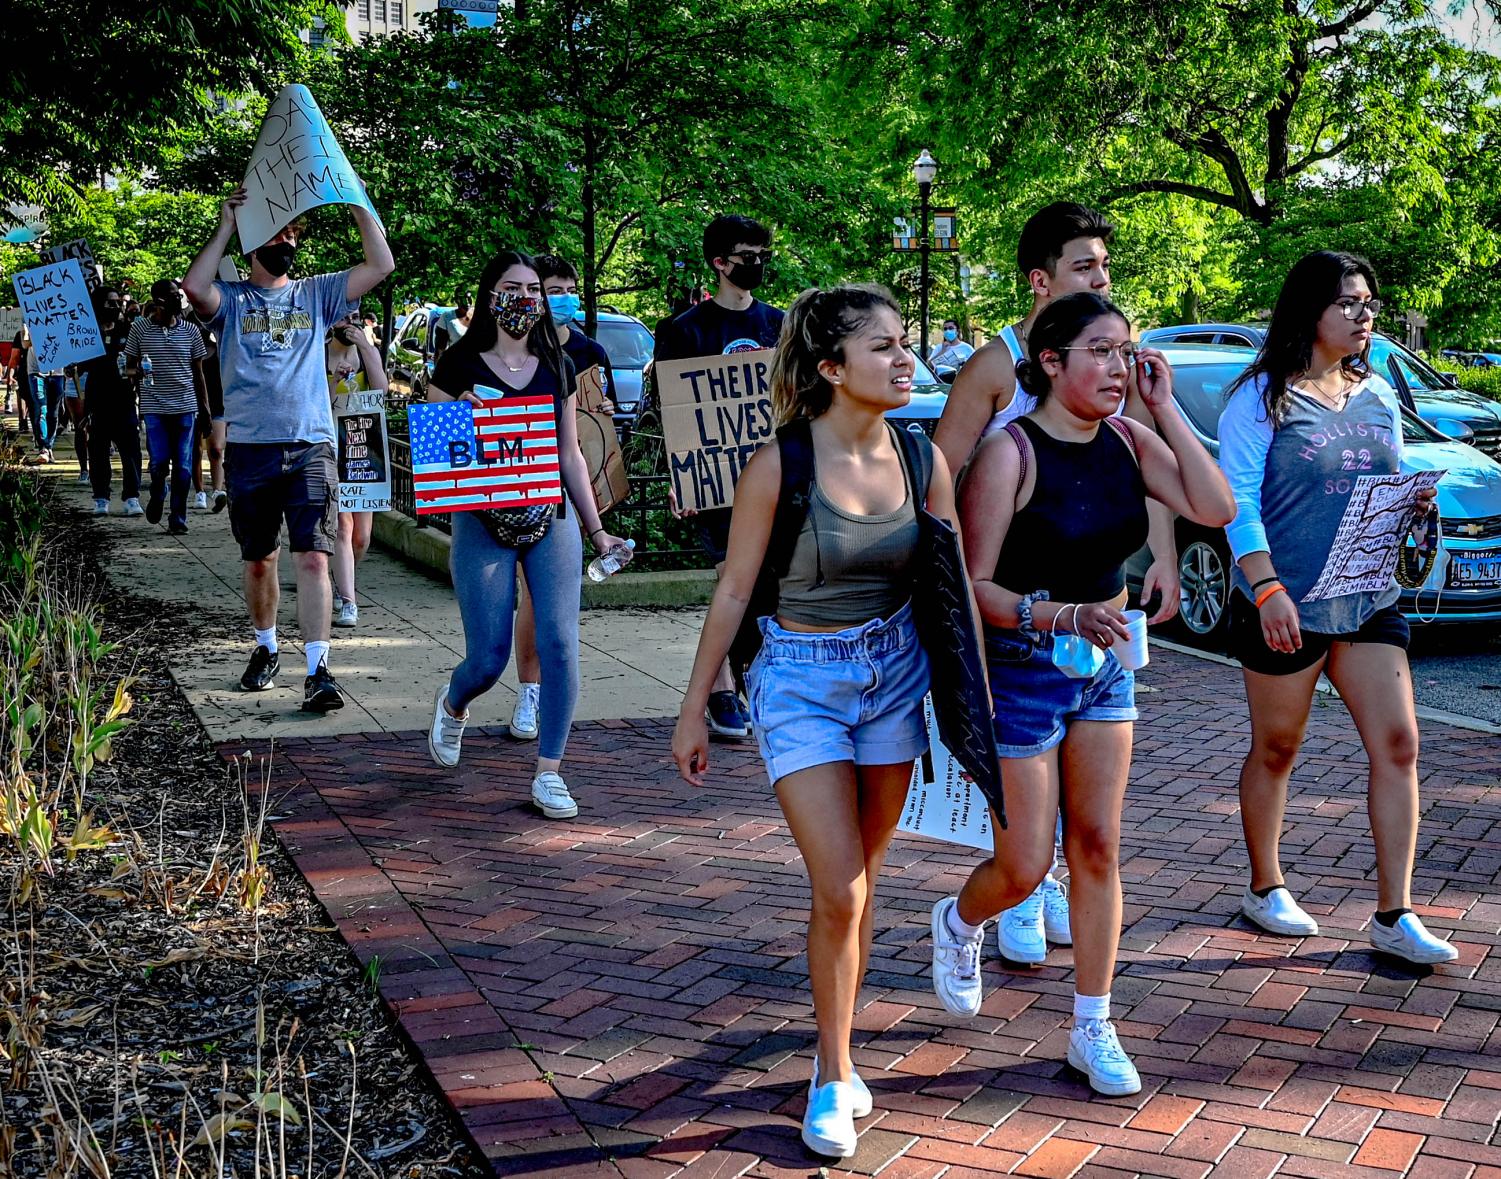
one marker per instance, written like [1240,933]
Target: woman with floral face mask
[511,347]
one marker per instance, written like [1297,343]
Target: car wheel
[1204,596]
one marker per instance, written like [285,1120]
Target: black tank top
[1087,515]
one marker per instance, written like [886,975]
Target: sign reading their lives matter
[598,441]
[942,802]
[716,412]
[1364,555]
[56,306]
[364,462]
[297,165]
[502,453]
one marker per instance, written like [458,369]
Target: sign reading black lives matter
[716,412]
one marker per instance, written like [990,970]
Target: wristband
[1262,582]
[1270,592]
[1073,622]
[596,532]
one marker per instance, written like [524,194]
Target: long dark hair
[1061,322]
[815,329]
[1314,282]
[541,341]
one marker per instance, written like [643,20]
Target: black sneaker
[154,509]
[725,719]
[320,691]
[261,674]
[176,528]
[221,501]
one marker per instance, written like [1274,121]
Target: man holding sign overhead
[279,457]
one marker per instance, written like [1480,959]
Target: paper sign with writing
[363,458]
[77,248]
[599,442]
[942,802]
[56,306]
[1364,555]
[716,412]
[502,453]
[297,165]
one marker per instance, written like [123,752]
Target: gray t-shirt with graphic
[271,357]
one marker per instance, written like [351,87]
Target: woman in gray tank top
[1304,424]
[836,692]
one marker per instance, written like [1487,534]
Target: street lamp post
[923,171]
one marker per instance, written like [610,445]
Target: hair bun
[1026,372]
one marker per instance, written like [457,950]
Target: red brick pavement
[625,995]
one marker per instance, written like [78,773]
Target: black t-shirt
[461,369]
[104,389]
[585,353]
[707,329]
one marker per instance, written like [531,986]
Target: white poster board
[363,457]
[297,165]
[56,306]
[1369,540]
[942,803]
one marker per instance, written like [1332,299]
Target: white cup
[1132,653]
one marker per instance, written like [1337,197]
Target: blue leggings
[484,580]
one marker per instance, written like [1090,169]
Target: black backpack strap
[795,448]
[916,449]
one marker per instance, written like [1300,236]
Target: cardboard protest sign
[78,248]
[297,165]
[716,411]
[942,802]
[56,306]
[500,454]
[363,457]
[599,442]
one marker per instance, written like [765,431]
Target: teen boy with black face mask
[279,456]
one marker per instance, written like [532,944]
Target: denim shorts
[851,695]
[1035,702]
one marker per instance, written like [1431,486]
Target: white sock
[1087,1007]
[959,927]
[317,654]
[266,638]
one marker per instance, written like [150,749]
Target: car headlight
[625,407]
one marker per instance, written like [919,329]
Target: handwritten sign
[942,803]
[716,412]
[599,442]
[77,248]
[363,457]
[1366,546]
[56,306]
[297,165]
[502,453]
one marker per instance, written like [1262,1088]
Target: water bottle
[608,564]
[120,363]
[147,380]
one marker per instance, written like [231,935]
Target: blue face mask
[950,334]
[565,308]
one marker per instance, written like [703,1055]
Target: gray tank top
[848,569]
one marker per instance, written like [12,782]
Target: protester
[44,398]
[511,347]
[208,433]
[279,452]
[165,355]
[109,400]
[952,351]
[353,366]
[837,690]
[452,324]
[73,415]
[1310,383]
[1051,508]
[21,366]
[737,249]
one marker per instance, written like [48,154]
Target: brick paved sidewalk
[625,995]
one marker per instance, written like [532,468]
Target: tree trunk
[590,225]
[1188,306]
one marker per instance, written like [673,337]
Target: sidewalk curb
[427,549]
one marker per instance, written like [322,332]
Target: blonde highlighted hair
[815,329]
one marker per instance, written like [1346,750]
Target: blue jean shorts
[1035,702]
[851,695]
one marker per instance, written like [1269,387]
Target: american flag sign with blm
[502,453]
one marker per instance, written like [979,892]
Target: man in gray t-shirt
[279,453]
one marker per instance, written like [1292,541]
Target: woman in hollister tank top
[1306,420]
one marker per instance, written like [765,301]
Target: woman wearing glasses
[1051,508]
[1302,425]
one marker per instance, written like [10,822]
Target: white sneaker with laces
[1019,931]
[524,715]
[550,793]
[133,507]
[1095,1051]
[1277,912]
[863,1101]
[1055,912]
[346,613]
[201,500]
[101,507]
[445,737]
[1410,940]
[829,1122]
[956,963]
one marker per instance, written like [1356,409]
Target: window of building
[362,9]
[398,13]
[380,10]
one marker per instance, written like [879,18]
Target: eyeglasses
[1103,352]
[1351,308]
[751,257]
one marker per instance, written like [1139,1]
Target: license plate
[1475,570]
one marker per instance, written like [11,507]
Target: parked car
[628,343]
[1472,359]
[1453,412]
[410,361]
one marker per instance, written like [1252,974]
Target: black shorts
[274,480]
[714,532]
[1249,645]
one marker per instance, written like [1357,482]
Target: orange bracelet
[1275,588]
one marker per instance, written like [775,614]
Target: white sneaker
[1055,912]
[524,715]
[1019,932]
[133,507]
[1277,912]
[101,507]
[1095,1051]
[201,500]
[1409,940]
[445,736]
[863,1101]
[346,613]
[550,793]
[829,1122]
[956,963]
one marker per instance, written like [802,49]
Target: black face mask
[276,259]
[747,275]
